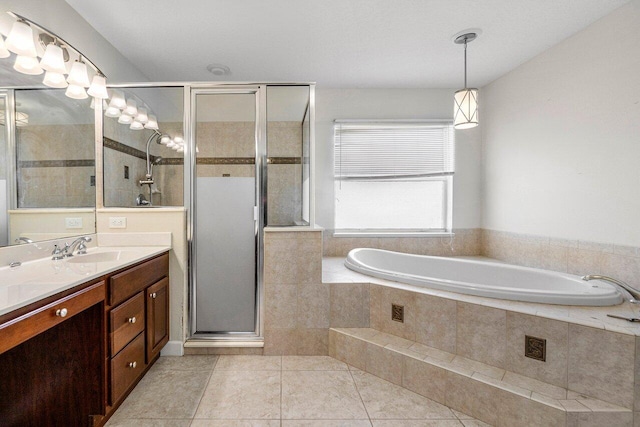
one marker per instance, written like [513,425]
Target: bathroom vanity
[75,336]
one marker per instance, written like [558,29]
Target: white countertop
[38,279]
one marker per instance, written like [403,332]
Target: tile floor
[270,391]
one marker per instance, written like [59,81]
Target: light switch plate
[117,222]
[73,222]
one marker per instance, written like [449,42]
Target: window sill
[393,234]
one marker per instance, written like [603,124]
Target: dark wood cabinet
[157,317]
[72,358]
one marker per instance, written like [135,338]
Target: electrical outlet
[117,222]
[73,222]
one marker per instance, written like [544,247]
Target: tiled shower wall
[564,255]
[55,166]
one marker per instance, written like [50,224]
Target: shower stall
[248,168]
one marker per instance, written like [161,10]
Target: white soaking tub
[483,278]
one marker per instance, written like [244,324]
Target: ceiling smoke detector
[218,69]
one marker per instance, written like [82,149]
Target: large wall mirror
[144,147]
[47,168]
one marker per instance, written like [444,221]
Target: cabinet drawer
[126,367]
[129,282]
[20,329]
[126,321]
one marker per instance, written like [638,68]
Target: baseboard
[173,348]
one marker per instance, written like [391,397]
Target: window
[393,177]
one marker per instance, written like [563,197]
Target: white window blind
[379,150]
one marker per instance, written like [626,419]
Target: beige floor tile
[249,363]
[461,415]
[308,395]
[164,394]
[186,363]
[241,395]
[235,423]
[132,422]
[312,363]
[384,400]
[474,423]
[326,423]
[416,423]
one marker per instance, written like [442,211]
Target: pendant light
[53,59]
[4,52]
[55,80]
[465,101]
[27,65]
[117,99]
[78,75]
[98,88]
[152,123]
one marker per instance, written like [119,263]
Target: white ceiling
[336,43]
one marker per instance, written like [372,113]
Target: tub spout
[632,294]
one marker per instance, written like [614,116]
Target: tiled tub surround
[464,242]
[587,352]
[565,255]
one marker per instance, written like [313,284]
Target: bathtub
[483,278]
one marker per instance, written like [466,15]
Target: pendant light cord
[465,62]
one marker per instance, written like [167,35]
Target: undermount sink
[97,257]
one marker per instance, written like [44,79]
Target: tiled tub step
[493,395]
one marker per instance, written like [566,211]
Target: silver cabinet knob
[61,312]
[132,364]
[131,320]
[153,295]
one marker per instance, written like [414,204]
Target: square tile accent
[535,348]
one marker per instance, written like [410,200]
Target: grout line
[355,385]
[204,390]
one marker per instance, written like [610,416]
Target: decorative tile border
[123,148]
[284,160]
[23,164]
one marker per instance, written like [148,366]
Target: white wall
[561,138]
[62,19]
[332,104]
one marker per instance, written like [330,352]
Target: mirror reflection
[143,159]
[49,175]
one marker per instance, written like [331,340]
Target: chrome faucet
[58,252]
[632,294]
[23,240]
[79,243]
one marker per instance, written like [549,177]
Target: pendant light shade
[142,116]
[27,65]
[53,59]
[76,92]
[78,75]
[56,80]
[165,139]
[136,125]
[98,87]
[465,101]
[4,52]
[20,40]
[465,109]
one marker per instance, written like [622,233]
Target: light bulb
[27,65]
[20,40]
[180,149]
[112,111]
[53,59]
[76,92]
[132,108]
[78,75]
[142,116]
[152,123]
[171,144]
[165,140]
[125,119]
[4,53]
[136,125]
[117,99]
[98,87]
[178,139]
[56,80]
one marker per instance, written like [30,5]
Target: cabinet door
[157,317]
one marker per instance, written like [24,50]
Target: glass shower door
[225,235]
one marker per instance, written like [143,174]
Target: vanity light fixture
[125,119]
[132,108]
[112,112]
[136,125]
[54,59]
[165,139]
[27,65]
[117,99]
[4,52]
[142,116]
[465,101]
[20,39]
[152,123]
